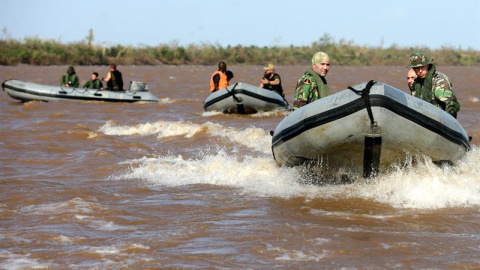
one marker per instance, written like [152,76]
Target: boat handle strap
[233,93]
[365,93]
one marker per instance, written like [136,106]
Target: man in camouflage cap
[433,86]
[313,85]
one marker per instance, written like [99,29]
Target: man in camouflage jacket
[433,86]
[313,85]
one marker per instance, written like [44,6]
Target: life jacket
[223,83]
[116,81]
[323,89]
[71,80]
[96,84]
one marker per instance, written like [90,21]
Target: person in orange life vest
[220,78]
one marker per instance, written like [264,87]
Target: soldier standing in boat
[271,80]
[433,86]
[114,79]
[70,78]
[313,85]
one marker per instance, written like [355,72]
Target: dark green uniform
[439,92]
[70,79]
[310,87]
[436,87]
[95,84]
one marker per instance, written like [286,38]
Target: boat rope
[65,90]
[365,93]
[78,90]
[126,92]
[74,90]
[233,93]
[95,91]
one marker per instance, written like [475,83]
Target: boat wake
[425,186]
[253,138]
[419,185]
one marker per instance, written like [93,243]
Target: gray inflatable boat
[367,129]
[27,91]
[243,98]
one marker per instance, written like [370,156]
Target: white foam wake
[424,187]
[254,138]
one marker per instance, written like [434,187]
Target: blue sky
[429,23]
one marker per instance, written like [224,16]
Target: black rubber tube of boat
[240,107]
[371,155]
[373,144]
[233,93]
[3,85]
[365,93]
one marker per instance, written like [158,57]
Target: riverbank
[35,51]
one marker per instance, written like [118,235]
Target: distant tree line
[35,51]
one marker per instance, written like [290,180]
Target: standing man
[70,78]
[271,80]
[411,76]
[433,86]
[313,85]
[219,79]
[114,79]
[94,82]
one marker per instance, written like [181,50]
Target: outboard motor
[136,86]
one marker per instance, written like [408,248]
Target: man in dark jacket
[114,79]
[271,80]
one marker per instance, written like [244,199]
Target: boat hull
[337,132]
[27,91]
[244,98]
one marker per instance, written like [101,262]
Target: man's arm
[302,93]
[106,79]
[216,81]
[443,92]
[76,81]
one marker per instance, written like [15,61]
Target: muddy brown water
[93,185]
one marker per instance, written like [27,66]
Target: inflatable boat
[243,98]
[366,129]
[27,91]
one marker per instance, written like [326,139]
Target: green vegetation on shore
[35,51]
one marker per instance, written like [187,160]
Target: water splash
[424,186]
[253,138]
[428,185]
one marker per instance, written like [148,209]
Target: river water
[93,185]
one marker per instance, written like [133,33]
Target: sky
[379,23]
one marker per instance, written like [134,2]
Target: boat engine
[136,86]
